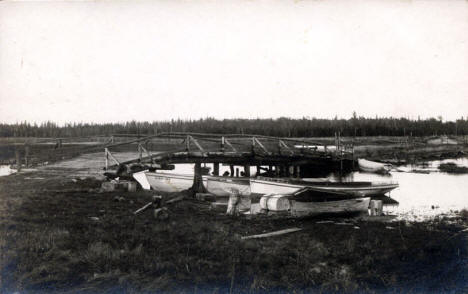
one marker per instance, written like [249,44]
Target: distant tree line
[281,127]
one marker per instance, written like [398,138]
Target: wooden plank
[282,144]
[146,151]
[175,199]
[145,207]
[230,145]
[261,145]
[272,234]
[112,156]
[196,143]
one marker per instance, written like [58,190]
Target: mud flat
[59,233]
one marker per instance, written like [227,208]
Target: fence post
[18,159]
[139,152]
[106,153]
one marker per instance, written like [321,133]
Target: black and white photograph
[235,146]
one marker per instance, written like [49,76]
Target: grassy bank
[62,235]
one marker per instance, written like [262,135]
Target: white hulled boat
[262,185]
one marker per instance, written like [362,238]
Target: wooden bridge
[283,156]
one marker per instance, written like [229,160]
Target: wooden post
[258,170]
[222,144]
[106,154]
[198,186]
[376,207]
[231,168]
[340,149]
[247,170]
[216,168]
[187,143]
[18,159]
[298,171]
[232,203]
[237,172]
[336,144]
[139,152]
[281,171]
[277,171]
[285,170]
[26,155]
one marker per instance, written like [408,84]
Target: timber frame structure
[285,154]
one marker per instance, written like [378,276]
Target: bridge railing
[206,144]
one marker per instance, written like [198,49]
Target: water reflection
[5,170]
[424,195]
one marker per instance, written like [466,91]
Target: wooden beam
[230,145]
[112,156]
[196,143]
[198,186]
[282,144]
[271,234]
[146,151]
[216,168]
[261,145]
[106,155]
[247,170]
[231,169]
[139,151]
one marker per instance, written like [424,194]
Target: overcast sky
[158,60]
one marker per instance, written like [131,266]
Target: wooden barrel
[275,203]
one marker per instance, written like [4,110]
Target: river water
[424,195]
[5,170]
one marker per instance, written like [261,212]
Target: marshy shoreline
[60,233]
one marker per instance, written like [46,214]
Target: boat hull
[358,191]
[166,182]
[348,206]
[273,187]
[141,178]
[225,186]
[262,186]
[373,167]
